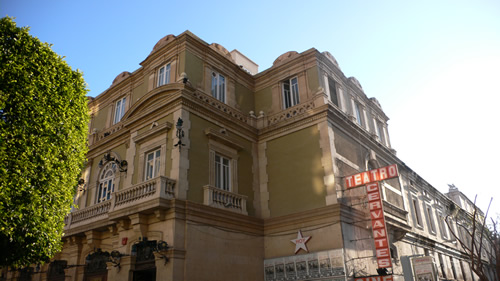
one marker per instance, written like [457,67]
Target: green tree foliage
[43,130]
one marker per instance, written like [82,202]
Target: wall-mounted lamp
[161,247]
[122,166]
[81,185]
[179,133]
[115,257]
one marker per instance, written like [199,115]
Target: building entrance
[145,275]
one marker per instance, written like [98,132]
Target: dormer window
[290,90]
[164,75]
[218,87]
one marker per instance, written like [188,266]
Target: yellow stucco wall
[244,98]
[313,79]
[192,66]
[295,173]
[100,118]
[263,100]
[138,92]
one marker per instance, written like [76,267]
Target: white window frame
[223,145]
[164,75]
[222,172]
[218,86]
[290,95]
[152,166]
[119,109]
[106,184]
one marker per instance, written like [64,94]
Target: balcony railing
[159,187]
[226,200]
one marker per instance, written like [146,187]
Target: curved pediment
[162,42]
[153,99]
[221,50]
[284,57]
[120,77]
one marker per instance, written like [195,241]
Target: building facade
[202,168]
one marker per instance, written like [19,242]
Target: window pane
[157,164]
[333,92]
[222,88]
[295,91]
[123,108]
[222,173]
[217,171]
[214,85]
[167,74]
[160,76]
[286,94]
[358,114]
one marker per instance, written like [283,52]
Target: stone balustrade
[159,187]
[223,199]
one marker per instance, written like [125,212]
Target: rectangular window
[444,227]
[119,110]
[333,91]
[290,90]
[453,270]
[222,173]
[416,211]
[164,75]
[218,87]
[379,129]
[357,111]
[152,168]
[442,266]
[430,218]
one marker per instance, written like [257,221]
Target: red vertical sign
[379,228]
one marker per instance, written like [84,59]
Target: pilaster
[180,156]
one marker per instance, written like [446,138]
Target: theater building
[200,167]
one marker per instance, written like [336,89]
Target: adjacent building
[200,167]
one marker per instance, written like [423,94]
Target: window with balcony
[106,182]
[119,110]
[152,168]
[290,90]
[218,88]
[222,188]
[164,75]
[222,172]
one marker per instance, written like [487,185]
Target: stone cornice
[310,218]
[310,117]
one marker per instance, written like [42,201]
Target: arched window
[106,182]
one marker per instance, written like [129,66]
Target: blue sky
[433,65]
